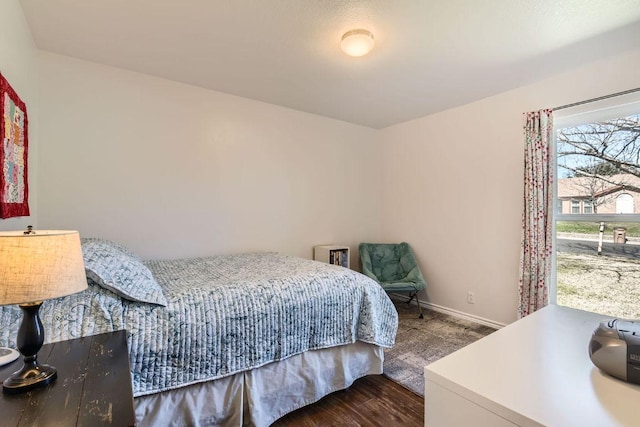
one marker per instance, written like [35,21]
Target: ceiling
[430,55]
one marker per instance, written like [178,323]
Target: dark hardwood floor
[374,400]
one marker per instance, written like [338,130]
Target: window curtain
[537,215]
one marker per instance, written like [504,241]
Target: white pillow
[116,268]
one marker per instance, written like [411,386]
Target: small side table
[93,386]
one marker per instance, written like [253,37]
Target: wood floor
[374,400]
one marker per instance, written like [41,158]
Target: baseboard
[455,313]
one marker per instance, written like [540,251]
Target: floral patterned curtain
[537,216]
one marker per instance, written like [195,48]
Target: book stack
[332,254]
[339,257]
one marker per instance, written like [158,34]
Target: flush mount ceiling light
[357,42]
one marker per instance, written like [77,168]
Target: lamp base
[30,339]
[28,378]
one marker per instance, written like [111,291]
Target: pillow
[116,268]
[86,241]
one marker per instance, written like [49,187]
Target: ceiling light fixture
[357,42]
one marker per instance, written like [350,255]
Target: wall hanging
[14,189]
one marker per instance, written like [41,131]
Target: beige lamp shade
[40,266]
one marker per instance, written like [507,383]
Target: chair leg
[419,307]
[415,295]
[411,295]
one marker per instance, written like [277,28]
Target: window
[587,206]
[575,206]
[597,259]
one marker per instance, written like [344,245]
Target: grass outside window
[633,229]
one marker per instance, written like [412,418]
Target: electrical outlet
[471,297]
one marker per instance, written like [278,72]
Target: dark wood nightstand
[93,386]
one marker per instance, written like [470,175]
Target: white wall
[452,186]
[173,170]
[18,64]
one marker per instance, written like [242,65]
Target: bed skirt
[260,396]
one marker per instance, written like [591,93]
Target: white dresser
[534,372]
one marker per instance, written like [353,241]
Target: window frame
[574,116]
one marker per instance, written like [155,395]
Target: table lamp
[35,266]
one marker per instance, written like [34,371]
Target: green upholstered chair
[394,267]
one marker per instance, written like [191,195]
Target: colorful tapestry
[14,190]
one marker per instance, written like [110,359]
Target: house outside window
[586,195]
[597,219]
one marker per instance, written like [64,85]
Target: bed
[226,340]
